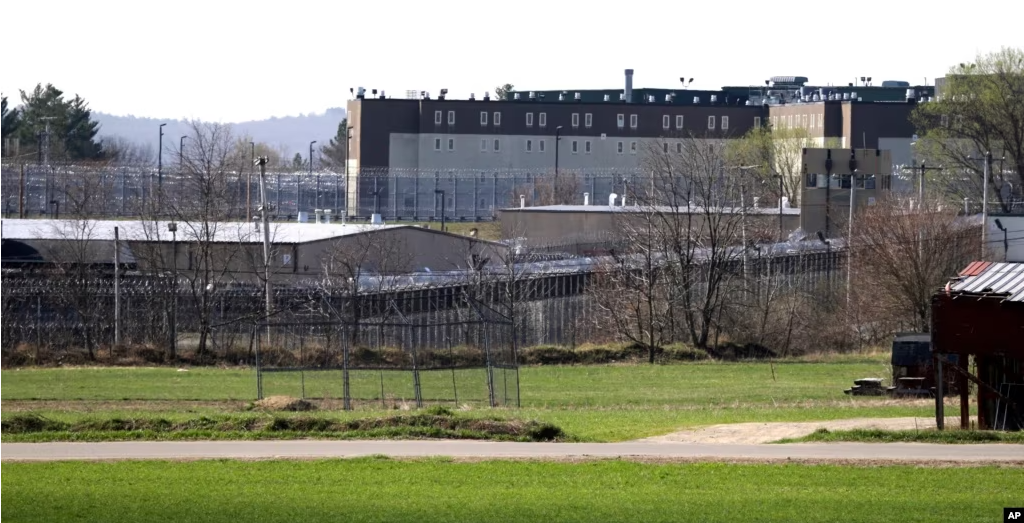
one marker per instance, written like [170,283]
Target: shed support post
[940,394]
[965,398]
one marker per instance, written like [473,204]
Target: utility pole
[248,184]
[117,288]
[160,166]
[265,218]
[849,239]
[984,205]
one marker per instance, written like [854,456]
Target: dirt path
[750,433]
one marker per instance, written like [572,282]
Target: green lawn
[597,386]
[383,490]
[591,403]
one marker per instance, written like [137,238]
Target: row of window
[588,120]
[807,121]
[494,145]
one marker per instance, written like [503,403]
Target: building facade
[419,158]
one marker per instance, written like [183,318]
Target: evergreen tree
[72,132]
[11,120]
[334,152]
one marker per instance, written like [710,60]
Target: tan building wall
[581,230]
[825,199]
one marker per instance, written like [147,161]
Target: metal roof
[135,230]
[992,278]
[789,211]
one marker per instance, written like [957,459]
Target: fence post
[346,393]
[417,392]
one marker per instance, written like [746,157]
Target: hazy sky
[230,61]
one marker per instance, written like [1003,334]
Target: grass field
[591,403]
[383,490]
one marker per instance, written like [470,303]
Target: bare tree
[77,278]
[904,256]
[200,207]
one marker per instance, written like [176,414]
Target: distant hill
[293,133]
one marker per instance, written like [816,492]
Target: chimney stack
[629,86]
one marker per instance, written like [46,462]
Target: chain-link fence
[461,353]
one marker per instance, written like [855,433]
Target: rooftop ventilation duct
[628,94]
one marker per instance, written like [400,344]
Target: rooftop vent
[714,98]
[487,96]
[696,100]
[668,98]
[650,99]
[577,97]
[533,95]
[360,93]
[472,96]
[895,83]
[515,96]
[607,98]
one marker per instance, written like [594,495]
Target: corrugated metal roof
[992,278]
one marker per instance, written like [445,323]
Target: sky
[231,61]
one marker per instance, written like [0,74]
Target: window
[588,120]
[497,145]
[725,123]
[666,122]
[679,147]
[575,120]
[586,146]
[633,120]
[619,147]
[821,120]
[541,145]
[542,119]
[757,121]
[451,144]
[679,121]
[664,147]
[483,118]
[437,144]
[575,147]
[483,145]
[620,120]
[632,147]
[529,119]
[711,122]
[497,119]
[529,146]
[451,117]
[437,117]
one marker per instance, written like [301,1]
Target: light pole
[558,138]
[160,163]
[317,204]
[849,239]
[987,162]
[172,227]
[248,183]
[264,217]
[181,153]
[441,192]
[782,194]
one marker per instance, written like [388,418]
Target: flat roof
[138,230]
[787,211]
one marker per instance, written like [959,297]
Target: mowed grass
[590,403]
[910,436]
[384,490]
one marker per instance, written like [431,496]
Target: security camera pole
[265,218]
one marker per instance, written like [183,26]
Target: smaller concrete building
[233,251]
[592,229]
